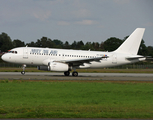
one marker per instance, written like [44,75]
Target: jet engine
[55,66]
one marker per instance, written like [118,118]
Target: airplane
[65,60]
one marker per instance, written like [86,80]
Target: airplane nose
[4,57]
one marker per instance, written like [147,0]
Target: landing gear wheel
[22,72]
[75,74]
[23,67]
[67,73]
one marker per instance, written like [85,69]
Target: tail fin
[132,43]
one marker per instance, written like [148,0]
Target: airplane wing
[76,62]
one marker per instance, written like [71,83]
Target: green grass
[58,99]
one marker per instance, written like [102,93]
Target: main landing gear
[23,67]
[75,74]
[67,73]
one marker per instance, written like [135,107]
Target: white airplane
[64,60]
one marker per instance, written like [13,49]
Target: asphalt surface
[82,76]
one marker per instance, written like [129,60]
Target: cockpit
[15,52]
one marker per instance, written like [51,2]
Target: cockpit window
[15,52]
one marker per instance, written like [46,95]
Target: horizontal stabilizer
[134,57]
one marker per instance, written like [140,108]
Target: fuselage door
[25,53]
[114,59]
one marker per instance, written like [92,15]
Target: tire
[75,74]
[67,73]
[22,72]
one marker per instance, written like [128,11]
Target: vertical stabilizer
[132,43]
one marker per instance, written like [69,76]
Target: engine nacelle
[56,66]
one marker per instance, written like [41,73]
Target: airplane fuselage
[41,56]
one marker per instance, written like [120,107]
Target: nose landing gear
[23,67]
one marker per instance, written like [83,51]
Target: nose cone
[3,57]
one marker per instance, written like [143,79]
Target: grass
[83,70]
[77,99]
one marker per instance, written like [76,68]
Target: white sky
[69,20]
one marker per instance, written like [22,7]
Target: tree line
[110,44]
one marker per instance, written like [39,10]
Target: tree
[58,43]
[88,46]
[112,44]
[101,46]
[32,44]
[66,45]
[38,43]
[18,43]
[5,42]
[43,42]
[95,45]
[79,45]
[143,49]
[150,50]
[74,45]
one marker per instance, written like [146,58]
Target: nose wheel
[23,67]
[22,72]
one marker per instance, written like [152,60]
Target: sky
[76,20]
